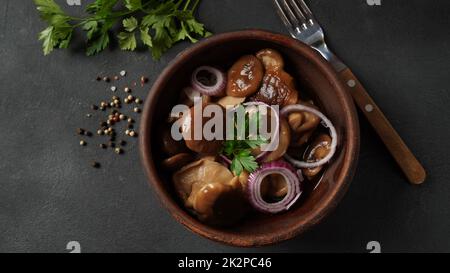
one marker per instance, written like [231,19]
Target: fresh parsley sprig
[240,151]
[240,154]
[158,24]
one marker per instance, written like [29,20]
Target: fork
[303,26]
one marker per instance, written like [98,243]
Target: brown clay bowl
[314,76]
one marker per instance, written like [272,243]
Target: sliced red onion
[214,85]
[226,160]
[334,138]
[294,189]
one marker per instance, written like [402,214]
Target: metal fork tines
[302,25]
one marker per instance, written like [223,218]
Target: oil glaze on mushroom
[245,76]
[211,191]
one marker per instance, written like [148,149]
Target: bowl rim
[327,205]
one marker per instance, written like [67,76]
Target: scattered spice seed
[126,100]
[95,164]
[127,132]
[83,143]
[99,132]
[87,133]
[138,101]
[123,73]
[127,90]
[113,88]
[118,151]
[137,110]
[130,97]
[133,134]
[80,131]
[89,115]
[144,80]
[98,78]
[106,79]
[130,120]
[94,107]
[116,78]
[103,146]
[122,117]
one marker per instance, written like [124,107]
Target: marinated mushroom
[303,125]
[245,76]
[271,59]
[273,187]
[283,144]
[318,150]
[229,101]
[276,90]
[176,162]
[211,191]
[201,145]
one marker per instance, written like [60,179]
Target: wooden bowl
[314,75]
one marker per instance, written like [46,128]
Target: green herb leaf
[91,27]
[145,37]
[48,41]
[164,23]
[130,24]
[127,41]
[133,4]
[98,44]
[236,166]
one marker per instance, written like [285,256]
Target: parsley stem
[186,5]
[195,5]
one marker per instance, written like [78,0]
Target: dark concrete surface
[49,195]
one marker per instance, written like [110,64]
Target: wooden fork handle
[409,164]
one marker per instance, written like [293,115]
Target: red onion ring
[292,181]
[218,89]
[334,138]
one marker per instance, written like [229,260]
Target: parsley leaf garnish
[240,151]
[154,24]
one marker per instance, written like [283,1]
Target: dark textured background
[50,196]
